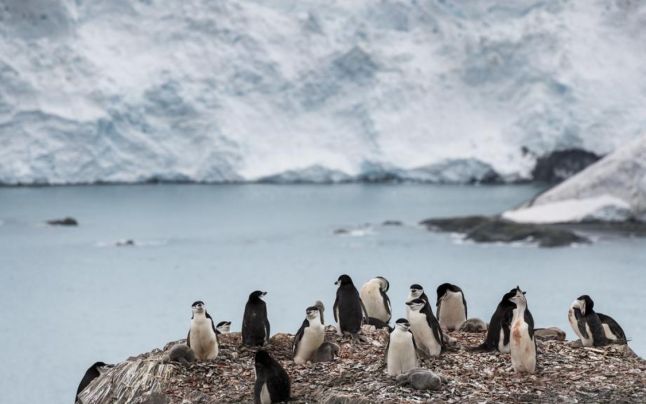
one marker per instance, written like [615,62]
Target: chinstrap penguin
[272,382]
[223,327]
[451,306]
[326,352]
[594,329]
[91,373]
[202,337]
[401,352]
[498,332]
[425,328]
[375,300]
[255,325]
[319,305]
[522,345]
[309,337]
[348,309]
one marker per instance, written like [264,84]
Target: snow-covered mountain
[435,90]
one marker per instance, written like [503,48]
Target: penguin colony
[412,339]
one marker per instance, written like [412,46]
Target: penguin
[375,300]
[499,326]
[223,327]
[522,344]
[180,353]
[91,373]
[326,352]
[594,329]
[202,336]
[255,325]
[401,351]
[451,306]
[348,308]
[425,328]
[319,305]
[416,292]
[309,337]
[272,382]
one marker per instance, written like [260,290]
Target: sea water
[69,296]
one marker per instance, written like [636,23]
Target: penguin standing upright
[202,336]
[375,300]
[348,308]
[594,329]
[451,306]
[401,352]
[272,382]
[309,337]
[255,325]
[500,325]
[522,345]
[425,328]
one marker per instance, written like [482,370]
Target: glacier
[322,91]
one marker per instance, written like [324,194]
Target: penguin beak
[336,283]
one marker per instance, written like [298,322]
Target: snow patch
[605,208]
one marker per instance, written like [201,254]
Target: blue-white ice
[116,90]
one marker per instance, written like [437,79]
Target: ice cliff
[197,90]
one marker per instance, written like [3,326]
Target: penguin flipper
[188,338]
[614,327]
[464,301]
[364,312]
[386,300]
[299,335]
[335,308]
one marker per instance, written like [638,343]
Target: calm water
[69,297]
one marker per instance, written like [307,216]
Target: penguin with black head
[202,336]
[272,382]
[223,327]
[425,327]
[451,306]
[255,325]
[522,344]
[348,309]
[594,329]
[499,329]
[91,373]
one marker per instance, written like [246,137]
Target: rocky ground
[565,374]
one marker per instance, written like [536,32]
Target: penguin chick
[473,325]
[326,352]
[272,382]
[309,337]
[420,379]
[180,353]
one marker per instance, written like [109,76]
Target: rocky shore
[566,373]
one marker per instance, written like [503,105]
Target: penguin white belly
[374,303]
[265,398]
[608,332]
[451,315]
[203,340]
[501,342]
[523,348]
[423,333]
[401,353]
[312,339]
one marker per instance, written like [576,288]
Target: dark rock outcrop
[68,221]
[562,164]
[493,229]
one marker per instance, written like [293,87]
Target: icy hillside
[612,189]
[437,90]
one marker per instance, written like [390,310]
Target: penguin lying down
[420,379]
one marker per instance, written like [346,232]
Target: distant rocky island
[565,373]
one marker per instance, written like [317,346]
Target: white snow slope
[199,90]
[612,189]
